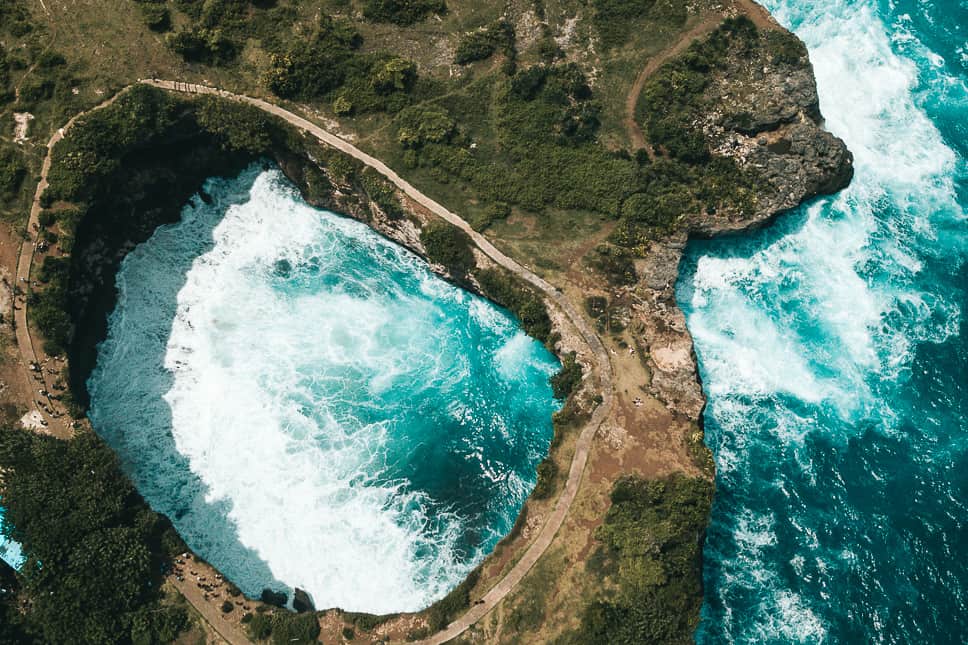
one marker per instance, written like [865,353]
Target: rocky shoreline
[783,144]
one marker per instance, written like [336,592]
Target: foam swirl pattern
[312,406]
[834,351]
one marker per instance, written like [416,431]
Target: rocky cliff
[767,118]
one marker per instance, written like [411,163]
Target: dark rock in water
[301,601]
[205,196]
[277,598]
[282,268]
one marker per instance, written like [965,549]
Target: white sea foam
[286,486]
[809,324]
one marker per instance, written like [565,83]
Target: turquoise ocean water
[9,550]
[312,406]
[834,350]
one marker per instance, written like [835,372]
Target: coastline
[670,350]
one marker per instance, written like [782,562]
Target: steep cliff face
[766,117]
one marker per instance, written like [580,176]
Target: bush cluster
[501,287]
[284,627]
[547,472]
[449,246]
[651,552]
[402,12]
[329,65]
[95,551]
[481,44]
[12,173]
[564,382]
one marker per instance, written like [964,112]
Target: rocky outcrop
[768,120]
[301,601]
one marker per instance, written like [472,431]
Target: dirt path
[603,367]
[758,14]
[58,422]
[636,136]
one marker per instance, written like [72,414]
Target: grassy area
[648,567]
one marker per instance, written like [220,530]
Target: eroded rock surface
[770,123]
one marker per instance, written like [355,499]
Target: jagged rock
[769,122]
[301,601]
[277,598]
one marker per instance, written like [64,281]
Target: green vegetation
[419,125]
[547,473]
[402,12]
[156,15]
[444,611]
[448,246]
[481,44]
[328,65]
[651,552]
[784,48]
[95,551]
[501,287]
[568,377]
[615,20]
[217,30]
[283,627]
[12,173]
[673,99]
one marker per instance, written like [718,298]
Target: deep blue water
[312,406]
[834,350]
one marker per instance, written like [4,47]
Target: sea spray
[312,406]
[834,352]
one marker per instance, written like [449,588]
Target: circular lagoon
[312,407]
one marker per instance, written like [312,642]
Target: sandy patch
[33,420]
[21,123]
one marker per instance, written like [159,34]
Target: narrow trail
[758,14]
[603,368]
[636,136]
[57,420]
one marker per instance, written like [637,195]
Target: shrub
[402,12]
[651,549]
[547,472]
[784,48]
[201,45]
[315,66]
[12,173]
[481,44]
[99,544]
[445,610]
[395,74]
[449,246]
[227,606]
[238,126]
[294,628]
[501,287]
[156,16]
[260,626]
[568,377]
[418,125]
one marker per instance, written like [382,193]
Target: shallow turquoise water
[9,550]
[834,350]
[312,406]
